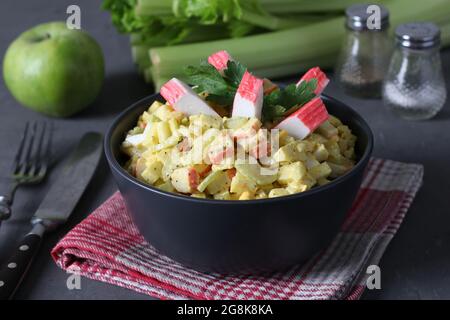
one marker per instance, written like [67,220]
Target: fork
[30,163]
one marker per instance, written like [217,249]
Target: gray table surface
[415,266]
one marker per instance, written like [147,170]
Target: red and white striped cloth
[106,246]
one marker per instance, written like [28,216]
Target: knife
[54,210]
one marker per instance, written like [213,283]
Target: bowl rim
[127,176]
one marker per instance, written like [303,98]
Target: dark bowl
[238,236]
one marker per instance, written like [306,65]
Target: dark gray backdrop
[415,266]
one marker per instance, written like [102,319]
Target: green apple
[54,70]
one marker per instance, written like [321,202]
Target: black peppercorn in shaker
[366,51]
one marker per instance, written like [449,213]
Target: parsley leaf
[207,78]
[220,89]
[234,73]
[282,100]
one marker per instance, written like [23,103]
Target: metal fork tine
[29,150]
[48,150]
[30,163]
[21,147]
[39,154]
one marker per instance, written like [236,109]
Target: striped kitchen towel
[106,246]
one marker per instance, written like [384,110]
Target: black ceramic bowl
[238,236]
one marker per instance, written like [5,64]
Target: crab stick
[248,100]
[316,73]
[183,99]
[219,60]
[305,120]
[185,179]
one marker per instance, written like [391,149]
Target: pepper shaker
[414,87]
[365,53]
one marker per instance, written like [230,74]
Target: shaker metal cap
[361,17]
[418,35]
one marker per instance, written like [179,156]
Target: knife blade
[54,210]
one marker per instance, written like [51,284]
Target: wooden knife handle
[13,272]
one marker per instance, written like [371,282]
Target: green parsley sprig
[280,102]
[221,89]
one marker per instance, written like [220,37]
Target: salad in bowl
[234,136]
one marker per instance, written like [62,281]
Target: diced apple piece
[248,130]
[166,186]
[198,195]
[163,130]
[296,187]
[316,73]
[320,171]
[323,181]
[235,123]
[185,180]
[311,162]
[223,196]
[208,179]
[278,192]
[253,170]
[205,121]
[321,153]
[241,183]
[219,60]
[183,99]
[154,106]
[135,140]
[260,194]
[152,171]
[138,139]
[338,170]
[290,152]
[327,130]
[249,97]
[174,125]
[221,150]
[140,167]
[304,184]
[220,184]
[291,172]
[246,195]
[305,120]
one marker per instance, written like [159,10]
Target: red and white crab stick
[305,120]
[248,100]
[219,60]
[183,99]
[316,73]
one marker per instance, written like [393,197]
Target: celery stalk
[445,34]
[140,56]
[148,77]
[274,49]
[309,6]
[154,7]
[293,69]
[259,51]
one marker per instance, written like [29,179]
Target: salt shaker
[366,51]
[414,87]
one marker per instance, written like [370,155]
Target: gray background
[415,266]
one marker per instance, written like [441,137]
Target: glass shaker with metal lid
[414,87]
[366,51]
